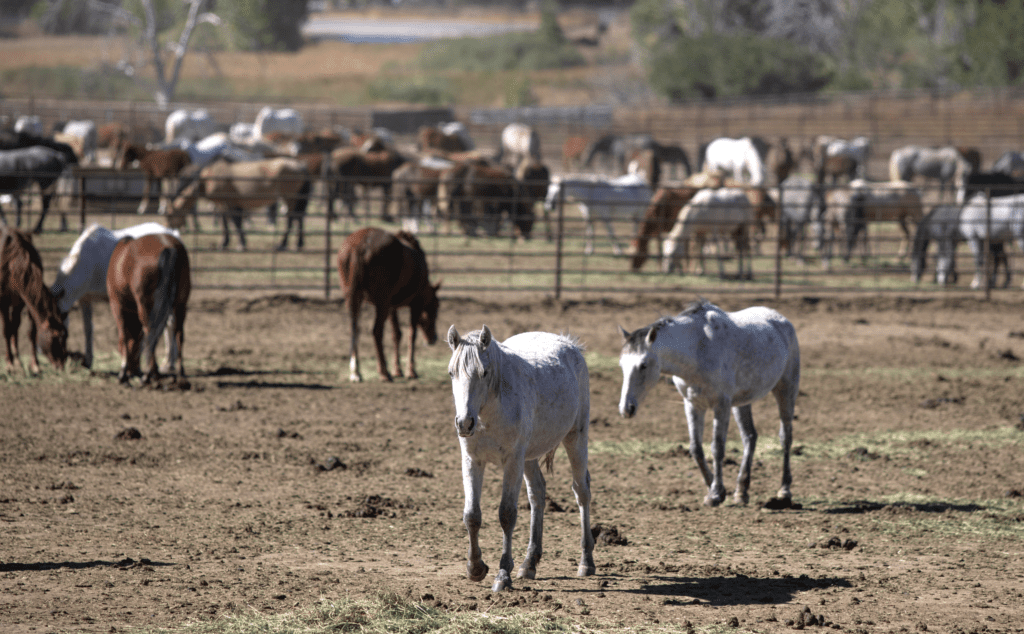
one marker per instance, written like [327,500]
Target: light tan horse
[236,187]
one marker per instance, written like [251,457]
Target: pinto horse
[390,271]
[148,282]
[21,286]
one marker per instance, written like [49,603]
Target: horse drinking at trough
[21,286]
[149,280]
[82,278]
[236,187]
[723,362]
[515,401]
[390,271]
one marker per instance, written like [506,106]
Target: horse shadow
[863,506]
[43,566]
[733,590]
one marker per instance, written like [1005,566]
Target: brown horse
[389,271]
[572,152]
[21,286]
[160,166]
[433,137]
[661,214]
[353,167]
[236,187]
[148,281]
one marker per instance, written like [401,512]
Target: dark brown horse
[21,286]
[148,281]
[159,166]
[353,167]
[389,271]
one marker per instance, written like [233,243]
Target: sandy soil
[273,482]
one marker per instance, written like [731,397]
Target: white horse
[711,213]
[518,141]
[514,403]
[723,362]
[738,158]
[190,125]
[82,277]
[626,196]
[944,164]
[1006,221]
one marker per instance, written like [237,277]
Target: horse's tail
[549,460]
[164,296]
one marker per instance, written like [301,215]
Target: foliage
[429,92]
[264,25]
[732,66]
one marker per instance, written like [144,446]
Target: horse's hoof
[502,582]
[355,378]
[526,573]
[710,500]
[741,499]
[478,573]
[585,570]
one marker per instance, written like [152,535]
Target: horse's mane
[637,341]
[409,239]
[466,359]
[27,265]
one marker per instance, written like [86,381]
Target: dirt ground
[272,482]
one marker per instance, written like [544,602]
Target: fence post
[988,244]
[558,240]
[778,243]
[325,172]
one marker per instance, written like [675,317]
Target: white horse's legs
[785,394]
[511,484]
[170,341]
[979,263]
[472,482]
[695,423]
[716,493]
[355,303]
[745,421]
[536,492]
[576,448]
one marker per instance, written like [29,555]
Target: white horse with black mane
[82,277]
[515,401]
[723,362]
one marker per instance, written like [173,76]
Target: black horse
[36,164]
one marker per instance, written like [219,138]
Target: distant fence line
[502,263]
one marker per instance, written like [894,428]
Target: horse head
[52,339]
[641,366]
[473,376]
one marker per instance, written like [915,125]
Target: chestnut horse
[390,271]
[21,286]
[159,166]
[148,282]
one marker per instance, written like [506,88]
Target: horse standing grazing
[159,166]
[714,213]
[659,218]
[21,286]
[624,197]
[515,401]
[235,187]
[719,361]
[149,280]
[389,271]
[944,164]
[1004,222]
[82,278]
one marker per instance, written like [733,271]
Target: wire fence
[870,251]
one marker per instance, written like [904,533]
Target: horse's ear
[625,334]
[437,286]
[453,338]
[485,337]
[652,334]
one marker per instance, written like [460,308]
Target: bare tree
[166,82]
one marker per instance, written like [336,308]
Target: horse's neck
[677,349]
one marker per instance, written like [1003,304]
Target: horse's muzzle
[466,426]
[628,409]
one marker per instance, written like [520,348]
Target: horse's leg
[12,321]
[178,340]
[354,301]
[511,484]
[722,413]
[172,348]
[472,483]
[979,262]
[33,333]
[127,346]
[695,425]
[146,188]
[745,421]
[385,204]
[396,336]
[785,395]
[575,444]
[87,330]
[383,313]
[607,219]
[165,186]
[237,217]
[226,231]
[535,491]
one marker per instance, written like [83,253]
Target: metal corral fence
[991,122]
[554,262]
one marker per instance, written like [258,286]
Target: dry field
[273,483]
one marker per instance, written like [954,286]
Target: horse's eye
[643,366]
